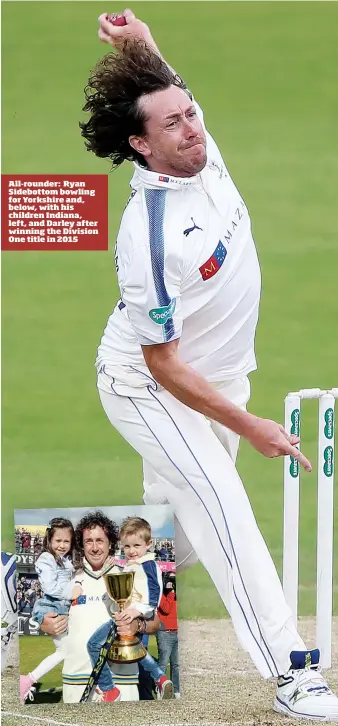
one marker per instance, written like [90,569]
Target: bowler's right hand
[54,624]
[134,29]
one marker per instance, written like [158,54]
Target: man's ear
[139,143]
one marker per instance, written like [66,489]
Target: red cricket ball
[116,19]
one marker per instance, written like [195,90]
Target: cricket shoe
[27,689]
[164,688]
[303,692]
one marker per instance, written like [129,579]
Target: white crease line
[37,718]
[63,723]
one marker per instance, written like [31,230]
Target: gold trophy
[125,648]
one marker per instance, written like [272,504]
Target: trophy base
[126,650]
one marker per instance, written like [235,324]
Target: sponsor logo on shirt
[191,229]
[217,167]
[213,264]
[81,600]
[175,180]
[162,315]
[234,222]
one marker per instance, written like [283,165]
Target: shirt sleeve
[149,271]
[166,603]
[47,571]
[147,589]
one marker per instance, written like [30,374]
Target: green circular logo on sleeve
[163,314]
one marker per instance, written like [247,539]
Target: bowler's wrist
[244,424]
[251,425]
[149,40]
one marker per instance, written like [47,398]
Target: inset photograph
[99,586]
[9,607]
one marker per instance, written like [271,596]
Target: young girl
[55,570]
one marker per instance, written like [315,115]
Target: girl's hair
[54,524]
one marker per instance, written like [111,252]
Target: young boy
[135,537]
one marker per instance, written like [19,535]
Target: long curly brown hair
[112,94]
[89,521]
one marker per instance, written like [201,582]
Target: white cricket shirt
[87,613]
[187,268]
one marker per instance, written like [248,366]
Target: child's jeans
[151,666]
[49,604]
[106,681]
[94,646]
[149,663]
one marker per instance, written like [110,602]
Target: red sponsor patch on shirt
[213,264]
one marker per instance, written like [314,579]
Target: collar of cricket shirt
[149,557]
[154,180]
[96,574]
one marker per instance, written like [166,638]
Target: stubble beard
[190,167]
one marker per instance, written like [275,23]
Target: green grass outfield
[265,74]
[34,649]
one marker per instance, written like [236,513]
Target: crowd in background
[27,542]
[31,543]
[165,551]
[28,592]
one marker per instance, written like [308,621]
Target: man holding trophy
[137,590]
[97,537]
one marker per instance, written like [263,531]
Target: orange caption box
[54,212]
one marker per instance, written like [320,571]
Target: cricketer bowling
[175,356]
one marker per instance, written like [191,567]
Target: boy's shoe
[303,692]
[113,695]
[27,689]
[177,694]
[164,688]
[108,696]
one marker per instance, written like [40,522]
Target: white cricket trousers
[52,660]
[186,463]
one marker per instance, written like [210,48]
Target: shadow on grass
[45,695]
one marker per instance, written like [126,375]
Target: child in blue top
[135,537]
[55,570]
